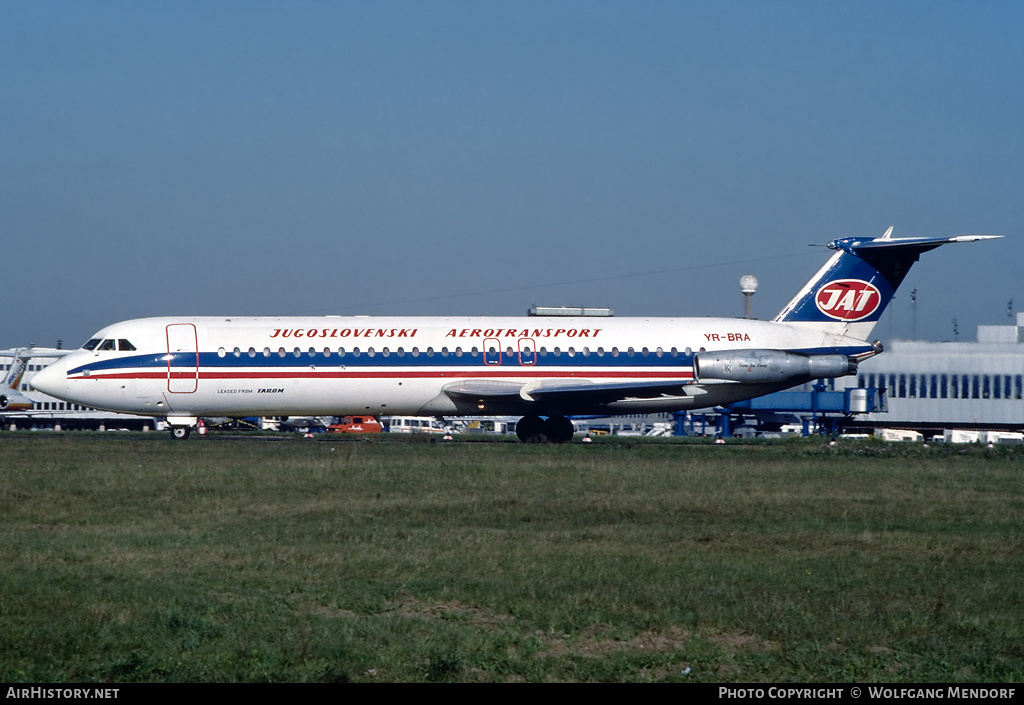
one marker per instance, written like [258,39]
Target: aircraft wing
[484,389]
[563,393]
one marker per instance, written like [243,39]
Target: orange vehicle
[356,424]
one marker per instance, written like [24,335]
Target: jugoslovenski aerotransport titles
[183,368]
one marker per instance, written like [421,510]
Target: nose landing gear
[181,426]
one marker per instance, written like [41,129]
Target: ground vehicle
[356,424]
[413,424]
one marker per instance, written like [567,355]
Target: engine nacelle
[12,401]
[769,366]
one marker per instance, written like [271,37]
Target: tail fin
[10,398]
[849,294]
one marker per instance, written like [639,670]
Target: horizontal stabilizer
[919,244]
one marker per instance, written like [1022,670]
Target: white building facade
[950,385]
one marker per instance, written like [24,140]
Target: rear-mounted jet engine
[768,366]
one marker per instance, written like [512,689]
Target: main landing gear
[180,433]
[554,429]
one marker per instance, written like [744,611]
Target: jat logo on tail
[848,299]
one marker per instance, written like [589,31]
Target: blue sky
[478,157]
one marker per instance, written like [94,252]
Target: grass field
[136,558]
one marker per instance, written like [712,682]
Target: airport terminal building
[934,386]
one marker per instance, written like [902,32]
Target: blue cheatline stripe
[349,360]
[378,360]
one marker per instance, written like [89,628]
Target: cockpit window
[108,345]
[123,344]
[91,345]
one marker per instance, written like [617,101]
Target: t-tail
[849,294]
[10,398]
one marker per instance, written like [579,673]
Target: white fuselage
[265,366]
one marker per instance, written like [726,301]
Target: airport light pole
[748,285]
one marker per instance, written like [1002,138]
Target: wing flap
[564,393]
[606,392]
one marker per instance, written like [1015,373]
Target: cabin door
[182,358]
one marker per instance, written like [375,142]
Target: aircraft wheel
[530,429]
[180,432]
[559,429]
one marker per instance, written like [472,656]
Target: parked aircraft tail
[849,294]
[10,398]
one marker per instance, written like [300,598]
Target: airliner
[540,369]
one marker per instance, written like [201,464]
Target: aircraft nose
[52,379]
